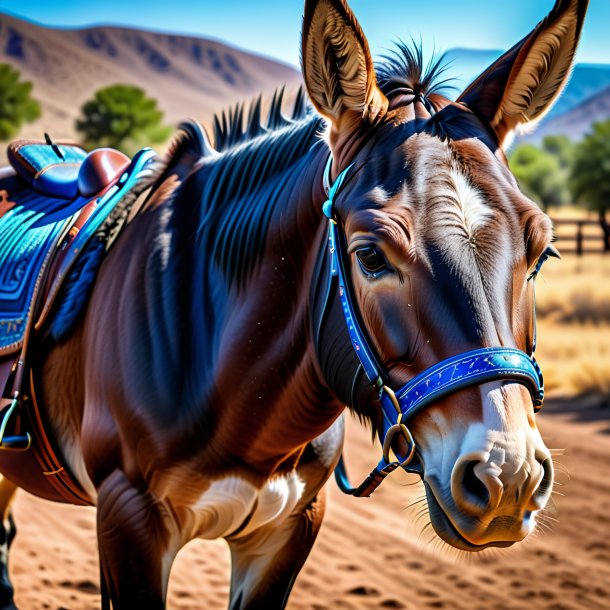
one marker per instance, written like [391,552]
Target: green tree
[590,181]
[540,175]
[16,103]
[562,148]
[122,117]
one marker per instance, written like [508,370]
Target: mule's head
[443,250]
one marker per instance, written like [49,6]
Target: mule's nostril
[543,492]
[473,486]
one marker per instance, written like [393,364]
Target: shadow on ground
[589,408]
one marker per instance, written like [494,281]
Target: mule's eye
[372,262]
[551,251]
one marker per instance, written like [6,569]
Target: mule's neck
[245,250]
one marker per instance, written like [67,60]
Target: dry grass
[573,303]
[575,290]
[575,358]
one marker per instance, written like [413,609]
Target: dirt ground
[371,553]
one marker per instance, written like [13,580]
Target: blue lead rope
[440,380]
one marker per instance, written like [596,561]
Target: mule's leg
[265,563]
[7,533]
[135,545]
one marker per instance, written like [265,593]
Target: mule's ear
[522,85]
[337,64]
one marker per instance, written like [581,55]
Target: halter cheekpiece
[440,380]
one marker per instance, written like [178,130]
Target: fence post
[579,239]
[606,230]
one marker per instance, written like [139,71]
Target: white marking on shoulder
[475,211]
[227,503]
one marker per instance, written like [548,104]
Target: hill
[577,121]
[190,77]
[195,77]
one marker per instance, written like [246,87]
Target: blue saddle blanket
[32,224]
[28,231]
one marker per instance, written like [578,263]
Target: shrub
[17,106]
[540,175]
[122,117]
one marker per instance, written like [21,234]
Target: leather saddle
[53,199]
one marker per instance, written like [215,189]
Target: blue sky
[272,27]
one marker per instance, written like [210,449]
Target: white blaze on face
[445,193]
[464,201]
[471,233]
[504,433]
[475,211]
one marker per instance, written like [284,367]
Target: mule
[201,393]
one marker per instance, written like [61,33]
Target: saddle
[53,199]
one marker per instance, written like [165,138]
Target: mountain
[587,81]
[577,121]
[190,77]
[195,77]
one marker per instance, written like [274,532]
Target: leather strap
[51,464]
[6,368]
[40,469]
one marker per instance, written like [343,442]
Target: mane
[230,129]
[236,186]
[404,73]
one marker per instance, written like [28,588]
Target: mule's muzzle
[449,532]
[488,503]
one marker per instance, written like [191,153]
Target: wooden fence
[576,236]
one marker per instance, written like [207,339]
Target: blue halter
[458,372]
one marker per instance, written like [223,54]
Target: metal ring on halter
[389,437]
[399,427]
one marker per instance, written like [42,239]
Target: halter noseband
[440,380]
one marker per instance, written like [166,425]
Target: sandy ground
[371,553]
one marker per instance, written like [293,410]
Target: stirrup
[19,442]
